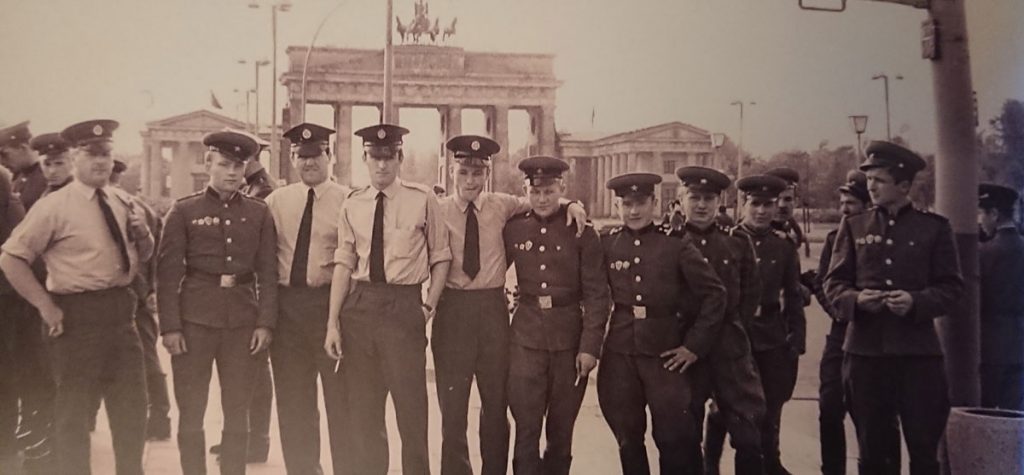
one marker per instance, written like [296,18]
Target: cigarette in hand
[337,366]
[578,379]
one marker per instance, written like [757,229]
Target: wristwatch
[428,308]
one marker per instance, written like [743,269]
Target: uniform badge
[208,220]
[306,134]
[528,245]
[544,301]
[216,220]
[475,145]
[618,265]
[97,130]
[639,312]
[703,181]
[381,134]
[625,265]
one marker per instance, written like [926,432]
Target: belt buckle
[544,301]
[639,312]
[228,280]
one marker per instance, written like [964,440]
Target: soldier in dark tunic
[55,160]
[559,325]
[894,270]
[217,300]
[1002,300]
[728,373]
[18,156]
[668,309]
[11,213]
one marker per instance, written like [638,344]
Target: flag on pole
[213,100]
[593,115]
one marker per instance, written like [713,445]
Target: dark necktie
[471,251]
[377,242]
[300,261]
[114,228]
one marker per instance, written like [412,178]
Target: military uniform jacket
[29,185]
[554,266]
[1002,297]
[11,213]
[731,255]
[910,250]
[258,185]
[779,319]
[655,274]
[838,330]
[205,237]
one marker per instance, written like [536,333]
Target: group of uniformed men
[330,281]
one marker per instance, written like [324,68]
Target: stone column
[609,170]
[546,130]
[157,169]
[451,125]
[498,130]
[343,143]
[598,210]
[144,174]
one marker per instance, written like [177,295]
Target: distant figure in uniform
[93,243]
[894,270]
[778,328]
[1002,300]
[727,374]
[17,155]
[56,161]
[470,337]
[158,425]
[306,217]
[217,300]
[668,310]
[722,219]
[391,239]
[258,183]
[559,325]
[440,192]
[785,218]
[11,213]
[853,200]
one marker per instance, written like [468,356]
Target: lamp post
[256,66]
[885,81]
[860,124]
[739,152]
[309,52]
[282,6]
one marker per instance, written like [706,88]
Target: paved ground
[595,450]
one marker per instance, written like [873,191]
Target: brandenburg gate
[444,78]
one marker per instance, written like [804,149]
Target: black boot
[552,465]
[233,448]
[714,442]
[749,464]
[192,450]
[774,467]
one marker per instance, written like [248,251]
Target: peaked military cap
[991,195]
[382,135]
[439,189]
[633,184]
[119,166]
[856,185]
[791,176]
[15,134]
[540,167]
[235,145]
[703,179]
[764,186]
[889,155]
[309,140]
[89,132]
[48,144]
[472,149]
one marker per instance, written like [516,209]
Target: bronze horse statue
[449,31]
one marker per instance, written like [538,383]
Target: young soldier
[1002,300]
[654,277]
[894,269]
[727,373]
[20,159]
[391,239]
[56,163]
[11,213]
[785,218]
[306,217]
[470,333]
[778,329]
[559,325]
[92,242]
[217,297]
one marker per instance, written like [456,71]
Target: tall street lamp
[739,150]
[282,6]
[309,52]
[256,66]
[860,124]
[885,81]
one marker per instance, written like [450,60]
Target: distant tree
[1001,154]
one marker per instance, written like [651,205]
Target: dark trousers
[542,392]
[1002,386]
[384,343]
[8,385]
[99,355]
[885,391]
[298,359]
[156,380]
[470,339]
[260,407]
[236,369]
[832,409]
[778,370]
[35,386]
[627,385]
[739,407]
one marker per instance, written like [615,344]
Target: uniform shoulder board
[189,197]
[523,215]
[612,231]
[417,186]
[932,215]
[356,191]
[255,199]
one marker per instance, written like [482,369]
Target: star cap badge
[475,145]
[97,130]
[381,134]
[306,134]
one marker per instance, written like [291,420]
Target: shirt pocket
[408,240]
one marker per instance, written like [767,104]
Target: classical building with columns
[444,78]
[594,158]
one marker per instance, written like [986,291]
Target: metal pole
[389,66]
[309,52]
[275,169]
[888,127]
[860,153]
[248,116]
[956,181]
[256,121]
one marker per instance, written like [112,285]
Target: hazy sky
[636,63]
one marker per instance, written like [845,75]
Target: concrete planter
[985,441]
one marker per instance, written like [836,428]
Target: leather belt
[226,281]
[545,302]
